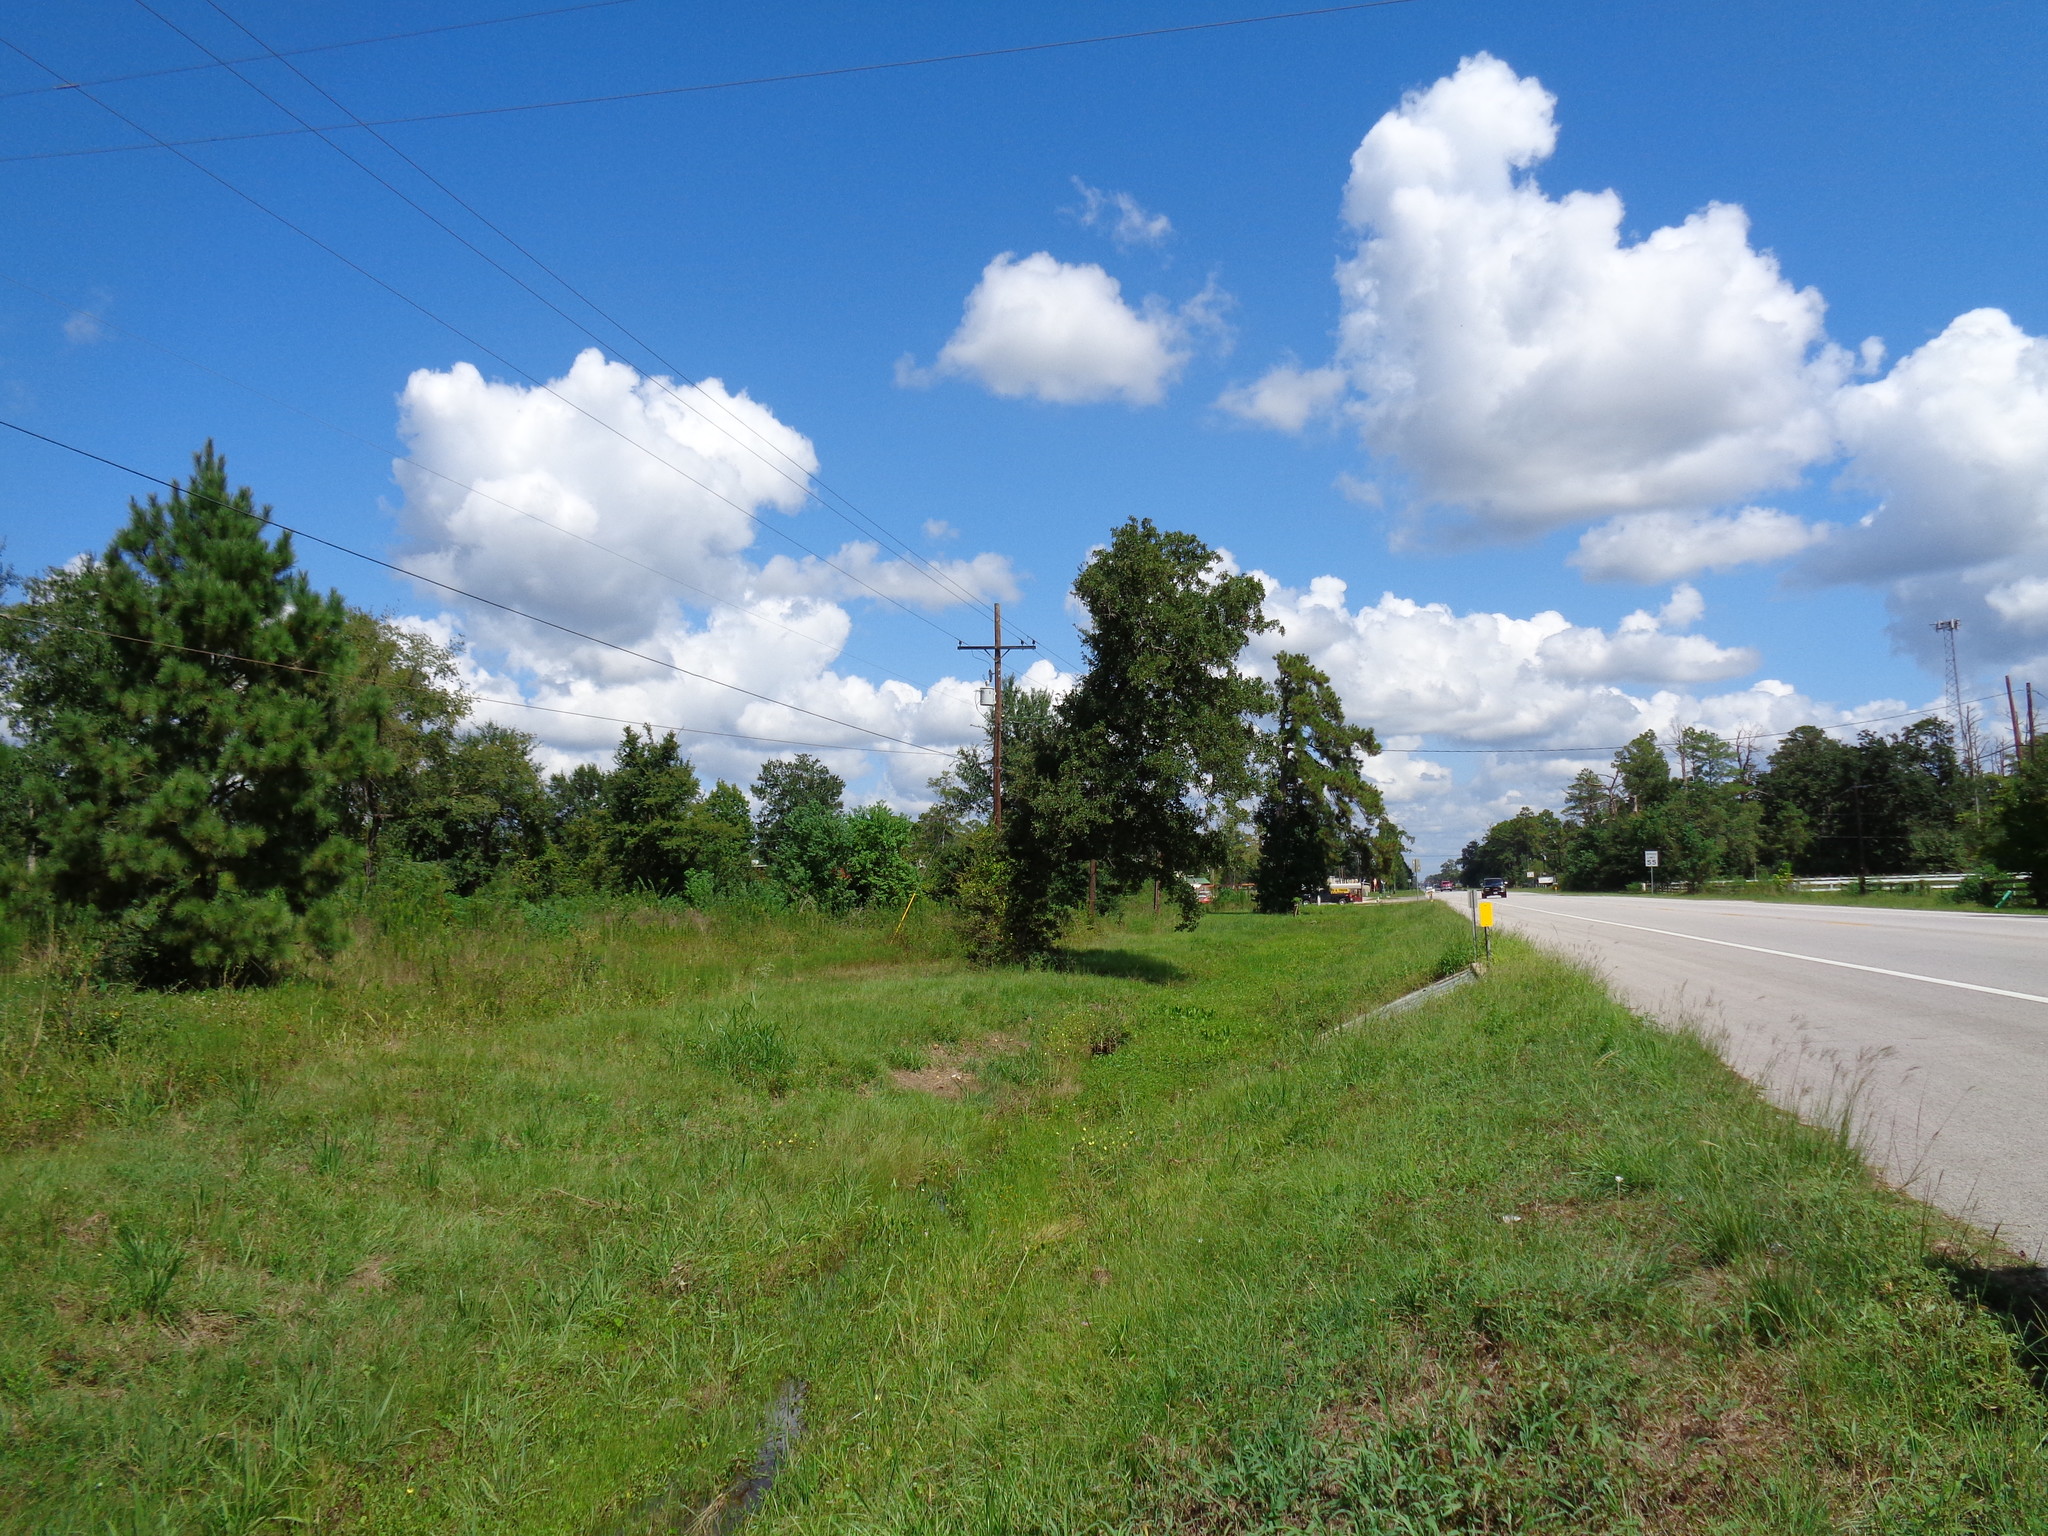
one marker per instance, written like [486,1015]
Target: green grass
[527,1226]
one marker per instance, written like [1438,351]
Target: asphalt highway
[1931,1028]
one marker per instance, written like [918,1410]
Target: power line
[803,480]
[382,450]
[474,698]
[359,42]
[475,597]
[719,85]
[470,340]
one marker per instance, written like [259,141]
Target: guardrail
[1877,882]
[2001,887]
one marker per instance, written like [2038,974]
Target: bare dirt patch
[196,1329]
[371,1275]
[949,1073]
[88,1231]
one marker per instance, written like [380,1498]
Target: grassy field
[566,1222]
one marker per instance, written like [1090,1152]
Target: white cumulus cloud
[1494,680]
[1062,332]
[1520,362]
[1953,445]
[1954,440]
[1408,667]
[1286,397]
[1662,546]
[2022,603]
[669,489]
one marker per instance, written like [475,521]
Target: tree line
[1886,803]
[209,757]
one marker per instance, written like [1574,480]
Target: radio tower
[1965,742]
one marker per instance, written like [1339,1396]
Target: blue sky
[813,244]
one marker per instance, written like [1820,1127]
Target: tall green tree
[1704,757]
[1643,771]
[1162,727]
[574,861]
[1126,778]
[785,785]
[18,805]
[1802,789]
[1885,804]
[1587,798]
[422,704]
[187,699]
[474,803]
[659,830]
[2019,831]
[1318,809]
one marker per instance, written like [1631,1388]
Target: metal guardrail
[1877,882]
[1824,884]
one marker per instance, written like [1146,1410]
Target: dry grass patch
[950,1071]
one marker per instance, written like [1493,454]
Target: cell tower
[1965,742]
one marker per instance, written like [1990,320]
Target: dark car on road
[1493,888]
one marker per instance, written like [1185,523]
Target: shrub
[751,1048]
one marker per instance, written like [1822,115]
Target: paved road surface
[1936,1023]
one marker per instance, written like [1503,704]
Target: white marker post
[1650,863]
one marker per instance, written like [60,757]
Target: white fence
[1831,883]
[1880,882]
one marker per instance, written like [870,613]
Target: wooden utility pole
[2013,709]
[996,740]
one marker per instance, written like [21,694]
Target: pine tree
[1318,808]
[1644,772]
[198,740]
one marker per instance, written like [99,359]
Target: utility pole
[996,740]
[1862,846]
[2013,709]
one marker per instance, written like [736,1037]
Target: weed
[1458,953]
[329,1153]
[751,1048]
[148,1264]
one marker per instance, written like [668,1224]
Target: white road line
[1786,954]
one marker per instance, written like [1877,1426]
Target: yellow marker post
[1486,927]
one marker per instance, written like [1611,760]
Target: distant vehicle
[1494,888]
[1447,885]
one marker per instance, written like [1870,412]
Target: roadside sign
[1486,914]
[1650,857]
